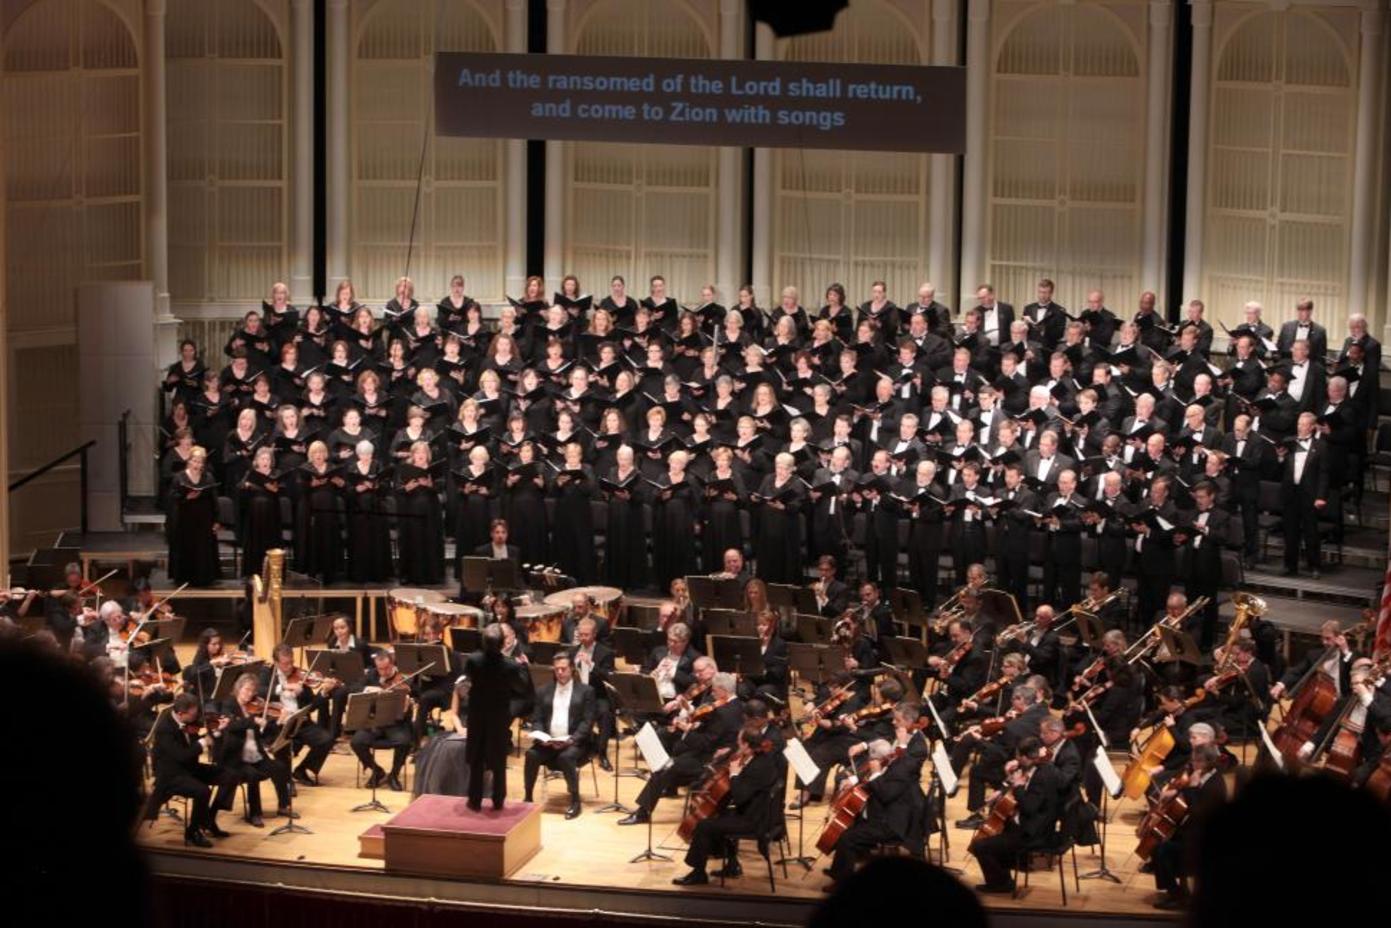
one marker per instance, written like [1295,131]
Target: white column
[730,180]
[1365,162]
[338,186]
[157,183]
[762,246]
[555,162]
[1156,146]
[941,197]
[1198,96]
[973,193]
[302,181]
[514,181]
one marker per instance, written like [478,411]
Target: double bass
[1315,698]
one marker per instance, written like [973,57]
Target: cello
[847,806]
[1001,811]
[1160,822]
[706,801]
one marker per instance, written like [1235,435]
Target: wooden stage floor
[593,852]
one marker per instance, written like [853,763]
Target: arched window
[853,216]
[460,226]
[228,150]
[641,209]
[73,163]
[1280,168]
[1067,158]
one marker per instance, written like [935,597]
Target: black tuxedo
[179,772]
[598,675]
[1154,561]
[1039,806]
[568,756]
[1317,338]
[1301,514]
[837,596]
[1054,324]
[893,815]
[1062,565]
[692,751]
[500,688]
[831,517]
[1247,465]
[1203,553]
[1013,531]
[242,731]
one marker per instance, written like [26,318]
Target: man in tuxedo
[581,608]
[1342,435]
[830,523]
[564,714]
[938,315]
[832,595]
[1045,463]
[695,745]
[892,813]
[178,771]
[1194,317]
[1371,362]
[996,317]
[990,767]
[1245,460]
[1204,539]
[1098,321]
[1304,479]
[1109,528]
[1036,790]
[1303,328]
[1305,377]
[244,752]
[1062,524]
[1044,649]
[1047,319]
[1276,410]
[1154,547]
[881,521]
[499,688]
[1013,529]
[593,661]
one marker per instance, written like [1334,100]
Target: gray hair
[1026,693]
[363,447]
[1202,729]
[680,631]
[879,749]
[724,682]
[109,608]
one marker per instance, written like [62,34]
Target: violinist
[436,685]
[1061,751]
[1203,789]
[1041,646]
[179,772]
[671,664]
[697,745]
[962,670]
[901,728]
[243,751]
[142,694]
[988,701]
[291,687]
[1021,723]
[892,814]
[1240,704]
[1116,698]
[200,676]
[143,602]
[830,741]
[383,675]
[756,770]
[1034,786]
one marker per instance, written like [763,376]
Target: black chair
[1380,458]
[1270,507]
[774,834]
[1062,844]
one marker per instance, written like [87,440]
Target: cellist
[1202,790]
[1034,786]
[892,813]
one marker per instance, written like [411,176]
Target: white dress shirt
[560,710]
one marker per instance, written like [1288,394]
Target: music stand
[465,640]
[630,644]
[156,649]
[1181,647]
[374,710]
[473,573]
[503,575]
[544,652]
[308,632]
[999,607]
[704,591]
[634,695]
[806,602]
[172,628]
[730,593]
[742,656]
[907,653]
[1090,630]
[344,666]
[815,663]
[783,596]
[431,660]
[813,629]
[289,727]
[730,622]
[907,606]
[227,680]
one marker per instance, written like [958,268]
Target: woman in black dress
[477,483]
[777,541]
[524,504]
[625,541]
[193,524]
[259,511]
[240,447]
[419,526]
[676,503]
[369,534]
[725,497]
[318,528]
[573,541]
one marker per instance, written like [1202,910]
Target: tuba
[1248,607]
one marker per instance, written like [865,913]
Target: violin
[988,691]
[832,703]
[701,713]
[129,629]
[954,657]
[258,706]
[707,801]
[141,681]
[204,726]
[1083,702]
[871,712]
[991,727]
[1090,673]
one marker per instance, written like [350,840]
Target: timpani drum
[456,615]
[543,621]
[608,600]
[405,607]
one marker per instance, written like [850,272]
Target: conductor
[500,690]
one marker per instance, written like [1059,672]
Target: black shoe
[637,818]
[729,871]
[694,878]
[255,821]
[474,806]
[994,888]
[1146,867]
[574,810]
[303,776]
[394,781]
[527,798]
[971,821]
[1171,901]
[287,812]
[216,832]
[377,778]
[671,793]
[196,838]
[604,764]
[497,805]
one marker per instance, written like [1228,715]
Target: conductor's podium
[440,836]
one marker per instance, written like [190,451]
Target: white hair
[363,447]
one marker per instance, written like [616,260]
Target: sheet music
[1109,778]
[801,762]
[942,764]
[650,744]
[1270,746]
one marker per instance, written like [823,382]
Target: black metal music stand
[289,727]
[344,666]
[374,710]
[813,629]
[737,654]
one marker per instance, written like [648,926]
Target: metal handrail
[80,450]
